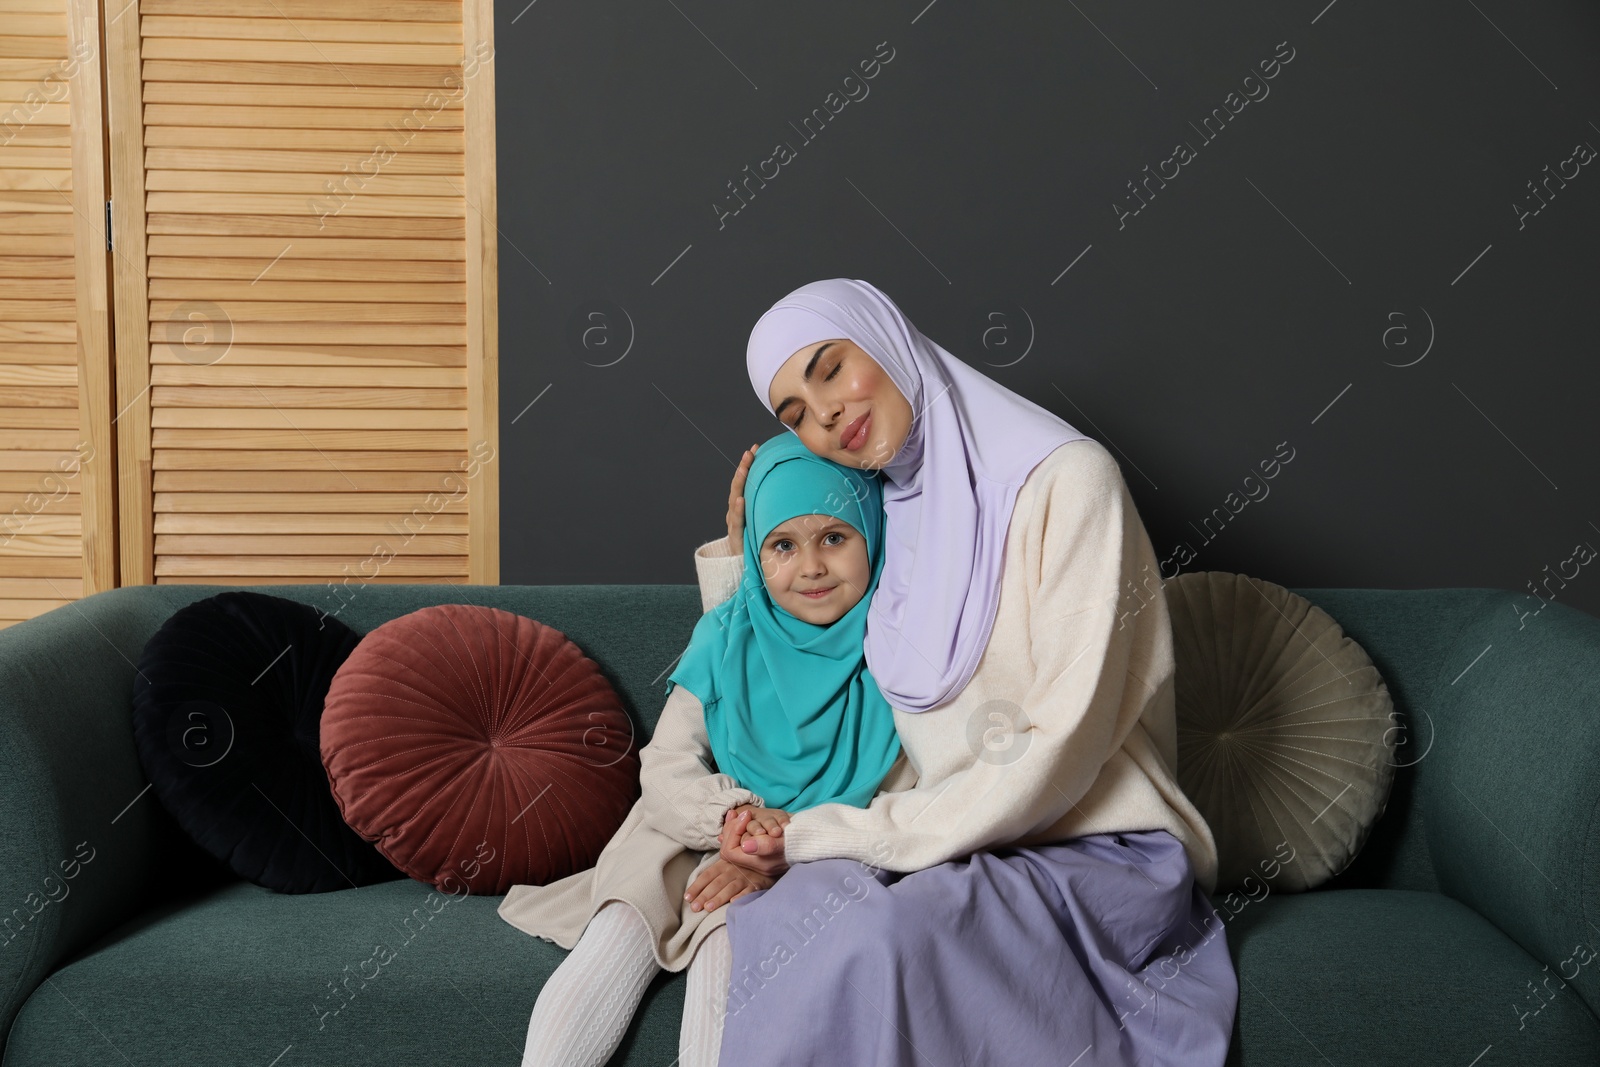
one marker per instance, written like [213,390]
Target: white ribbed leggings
[585,1007]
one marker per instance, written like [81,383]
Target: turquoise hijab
[791,710]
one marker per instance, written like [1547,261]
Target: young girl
[774,691]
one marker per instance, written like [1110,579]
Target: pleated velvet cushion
[1285,730]
[479,749]
[227,705]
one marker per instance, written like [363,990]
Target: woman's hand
[762,820]
[736,501]
[761,853]
[722,882]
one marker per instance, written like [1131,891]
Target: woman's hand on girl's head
[766,857]
[722,882]
[736,501]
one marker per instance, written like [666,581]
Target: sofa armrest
[83,834]
[1511,785]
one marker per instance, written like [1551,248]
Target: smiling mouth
[855,435]
[817,594]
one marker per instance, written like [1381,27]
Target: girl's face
[816,554]
[829,392]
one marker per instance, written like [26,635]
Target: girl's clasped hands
[749,830]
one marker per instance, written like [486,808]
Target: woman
[1038,895]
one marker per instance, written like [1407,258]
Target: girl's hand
[736,501]
[762,820]
[761,853]
[722,882]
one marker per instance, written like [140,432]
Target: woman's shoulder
[1075,497]
[1079,465]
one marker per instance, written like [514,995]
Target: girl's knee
[623,913]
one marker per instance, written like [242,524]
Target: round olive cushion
[1286,736]
[478,749]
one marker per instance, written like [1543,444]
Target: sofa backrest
[633,632]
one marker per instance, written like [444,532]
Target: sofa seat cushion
[241,974]
[1381,977]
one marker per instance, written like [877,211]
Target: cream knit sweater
[1068,725]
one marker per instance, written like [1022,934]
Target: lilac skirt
[1100,950]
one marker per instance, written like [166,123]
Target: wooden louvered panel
[313,203]
[56,461]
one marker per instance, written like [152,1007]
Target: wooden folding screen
[57,461]
[303,206]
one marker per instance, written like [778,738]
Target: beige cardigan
[1082,647]
[1081,644]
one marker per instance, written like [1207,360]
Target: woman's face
[816,567]
[829,392]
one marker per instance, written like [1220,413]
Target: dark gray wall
[1352,270]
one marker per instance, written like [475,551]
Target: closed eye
[829,378]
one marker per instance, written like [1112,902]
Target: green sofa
[1460,918]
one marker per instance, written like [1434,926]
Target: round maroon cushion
[478,748]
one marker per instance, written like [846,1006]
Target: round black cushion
[227,711]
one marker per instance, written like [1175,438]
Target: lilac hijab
[971,444]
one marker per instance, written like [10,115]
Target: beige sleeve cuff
[719,571]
